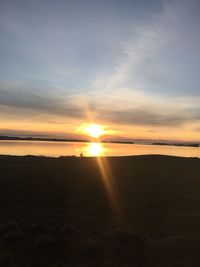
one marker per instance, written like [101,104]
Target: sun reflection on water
[95,149]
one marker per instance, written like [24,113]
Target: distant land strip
[17,138]
[176,144]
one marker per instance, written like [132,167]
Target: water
[56,149]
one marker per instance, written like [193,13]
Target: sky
[130,65]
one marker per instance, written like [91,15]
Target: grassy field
[57,212]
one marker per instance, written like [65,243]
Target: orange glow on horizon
[53,126]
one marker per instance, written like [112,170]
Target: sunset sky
[129,65]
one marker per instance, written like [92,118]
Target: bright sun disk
[94,130]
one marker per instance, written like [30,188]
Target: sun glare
[95,149]
[92,130]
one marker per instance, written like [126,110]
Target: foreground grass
[56,212]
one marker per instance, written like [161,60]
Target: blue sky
[133,63]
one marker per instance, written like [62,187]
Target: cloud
[27,133]
[26,100]
[136,117]
[162,55]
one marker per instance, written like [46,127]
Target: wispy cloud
[162,55]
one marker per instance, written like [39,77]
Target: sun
[93,130]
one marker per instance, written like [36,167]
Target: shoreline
[96,157]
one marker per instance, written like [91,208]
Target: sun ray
[111,188]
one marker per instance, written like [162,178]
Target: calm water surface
[56,149]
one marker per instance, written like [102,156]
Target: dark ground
[56,212]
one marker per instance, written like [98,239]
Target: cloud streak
[137,117]
[27,102]
[162,55]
